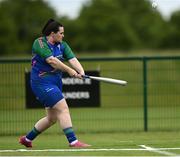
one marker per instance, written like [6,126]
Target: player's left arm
[76,65]
[73,61]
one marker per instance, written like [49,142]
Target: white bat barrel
[108,80]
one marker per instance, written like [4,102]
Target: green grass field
[115,128]
[123,144]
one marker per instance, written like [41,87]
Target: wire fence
[150,101]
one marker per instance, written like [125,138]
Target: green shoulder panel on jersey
[68,54]
[41,48]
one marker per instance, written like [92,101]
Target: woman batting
[49,51]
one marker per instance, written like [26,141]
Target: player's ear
[52,33]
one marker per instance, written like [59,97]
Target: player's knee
[61,107]
[63,110]
[52,119]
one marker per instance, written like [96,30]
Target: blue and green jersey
[41,50]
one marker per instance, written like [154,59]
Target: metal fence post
[145,94]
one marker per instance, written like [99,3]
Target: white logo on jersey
[49,89]
[59,46]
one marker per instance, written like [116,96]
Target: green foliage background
[102,25]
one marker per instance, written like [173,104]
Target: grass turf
[98,140]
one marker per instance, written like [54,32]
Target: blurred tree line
[103,25]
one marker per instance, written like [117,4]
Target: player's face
[58,37]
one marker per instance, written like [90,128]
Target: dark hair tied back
[51,26]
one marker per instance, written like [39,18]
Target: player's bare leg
[60,112]
[40,126]
[64,119]
[47,121]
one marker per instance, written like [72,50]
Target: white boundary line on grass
[77,156]
[144,148]
[159,151]
[70,150]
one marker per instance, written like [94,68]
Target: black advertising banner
[77,92]
[81,92]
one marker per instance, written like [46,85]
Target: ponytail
[51,26]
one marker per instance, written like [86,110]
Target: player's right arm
[57,64]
